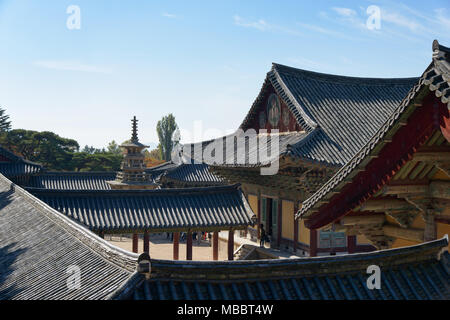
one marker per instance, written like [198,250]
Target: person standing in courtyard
[262,236]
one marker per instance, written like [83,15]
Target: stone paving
[162,248]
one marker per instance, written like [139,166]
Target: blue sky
[201,60]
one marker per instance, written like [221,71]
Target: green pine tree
[5,124]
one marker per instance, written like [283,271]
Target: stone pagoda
[132,175]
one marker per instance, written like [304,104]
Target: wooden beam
[340,228]
[403,218]
[385,204]
[405,189]
[440,189]
[349,230]
[423,204]
[440,210]
[432,156]
[430,232]
[363,219]
[379,171]
[444,167]
[406,234]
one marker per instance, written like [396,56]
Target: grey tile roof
[419,272]
[154,210]
[161,168]
[16,166]
[39,244]
[340,113]
[16,169]
[196,174]
[246,154]
[436,78]
[10,155]
[72,180]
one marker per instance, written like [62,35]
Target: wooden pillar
[216,245]
[176,245]
[351,244]
[135,243]
[313,243]
[430,232]
[101,234]
[259,215]
[189,245]
[279,221]
[146,242]
[295,228]
[266,221]
[231,244]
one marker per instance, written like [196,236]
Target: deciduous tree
[165,129]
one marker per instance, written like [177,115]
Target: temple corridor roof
[416,272]
[72,180]
[202,208]
[189,174]
[16,166]
[18,169]
[39,244]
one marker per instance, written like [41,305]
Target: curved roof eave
[438,68]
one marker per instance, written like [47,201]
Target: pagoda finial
[134,137]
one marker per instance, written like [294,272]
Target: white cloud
[349,16]
[260,24]
[393,20]
[442,17]
[169,15]
[70,65]
[323,15]
[400,20]
[345,12]
[416,13]
[326,31]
